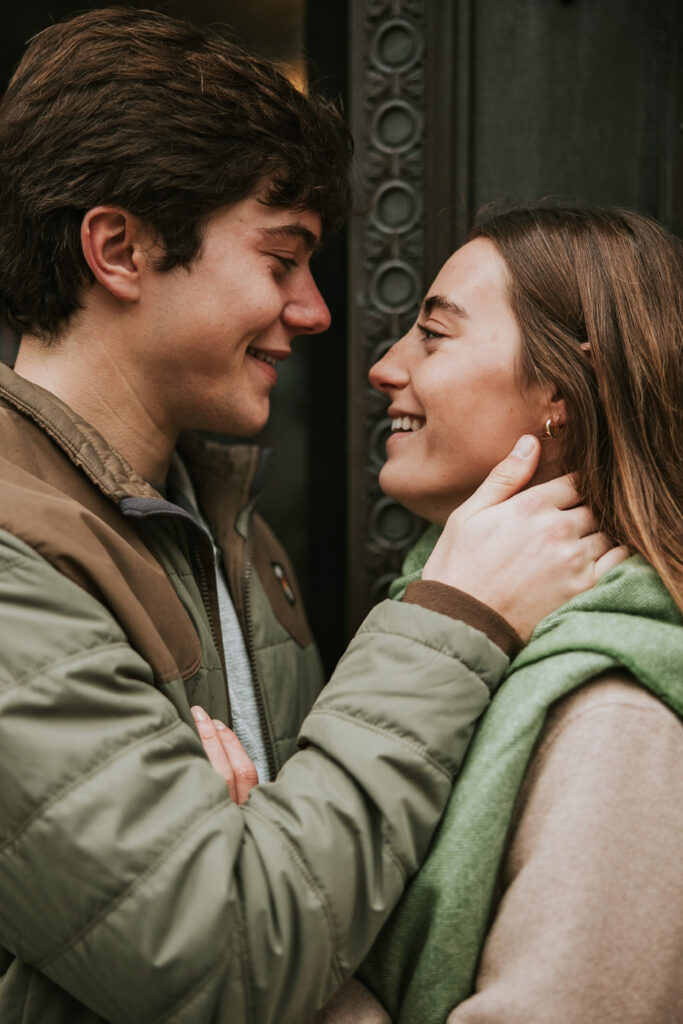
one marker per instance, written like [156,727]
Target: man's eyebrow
[440,302]
[290,231]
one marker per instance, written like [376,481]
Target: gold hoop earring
[549,428]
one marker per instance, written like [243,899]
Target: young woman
[552,891]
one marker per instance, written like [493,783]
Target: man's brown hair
[169,121]
[598,295]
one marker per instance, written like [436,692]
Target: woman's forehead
[474,277]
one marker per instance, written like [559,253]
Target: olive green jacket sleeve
[130,885]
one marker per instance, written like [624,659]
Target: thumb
[509,476]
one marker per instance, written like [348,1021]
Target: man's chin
[236,425]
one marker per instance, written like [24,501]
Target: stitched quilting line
[312,880]
[384,731]
[182,836]
[51,666]
[175,841]
[82,779]
[447,653]
[280,643]
[196,990]
[7,561]
[30,560]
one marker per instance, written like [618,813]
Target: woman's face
[454,390]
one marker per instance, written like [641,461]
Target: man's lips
[267,360]
[268,356]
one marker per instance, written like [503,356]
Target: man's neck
[97,384]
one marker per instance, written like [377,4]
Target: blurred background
[454,104]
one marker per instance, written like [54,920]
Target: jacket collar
[239,466]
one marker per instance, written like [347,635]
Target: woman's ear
[556,419]
[114,245]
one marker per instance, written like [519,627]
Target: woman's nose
[390,372]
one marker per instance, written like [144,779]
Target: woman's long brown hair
[598,294]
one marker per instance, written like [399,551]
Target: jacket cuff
[439,597]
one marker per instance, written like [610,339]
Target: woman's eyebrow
[440,302]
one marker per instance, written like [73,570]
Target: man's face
[219,328]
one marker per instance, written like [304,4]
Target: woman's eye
[426,333]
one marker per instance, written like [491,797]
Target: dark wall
[273,28]
[326,49]
[577,99]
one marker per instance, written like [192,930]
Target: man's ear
[115,246]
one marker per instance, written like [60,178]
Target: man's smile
[266,357]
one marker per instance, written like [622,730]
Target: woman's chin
[435,508]
[419,504]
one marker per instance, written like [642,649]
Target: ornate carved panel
[393,111]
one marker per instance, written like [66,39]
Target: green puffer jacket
[131,888]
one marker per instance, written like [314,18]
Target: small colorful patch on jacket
[281,577]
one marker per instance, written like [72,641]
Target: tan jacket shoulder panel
[47,502]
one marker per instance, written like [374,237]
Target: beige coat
[589,923]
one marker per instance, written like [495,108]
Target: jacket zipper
[215,633]
[249,640]
[217,636]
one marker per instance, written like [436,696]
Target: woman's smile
[405,422]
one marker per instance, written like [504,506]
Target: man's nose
[307,311]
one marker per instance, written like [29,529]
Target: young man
[162,193]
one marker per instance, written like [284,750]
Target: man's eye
[283,264]
[426,333]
